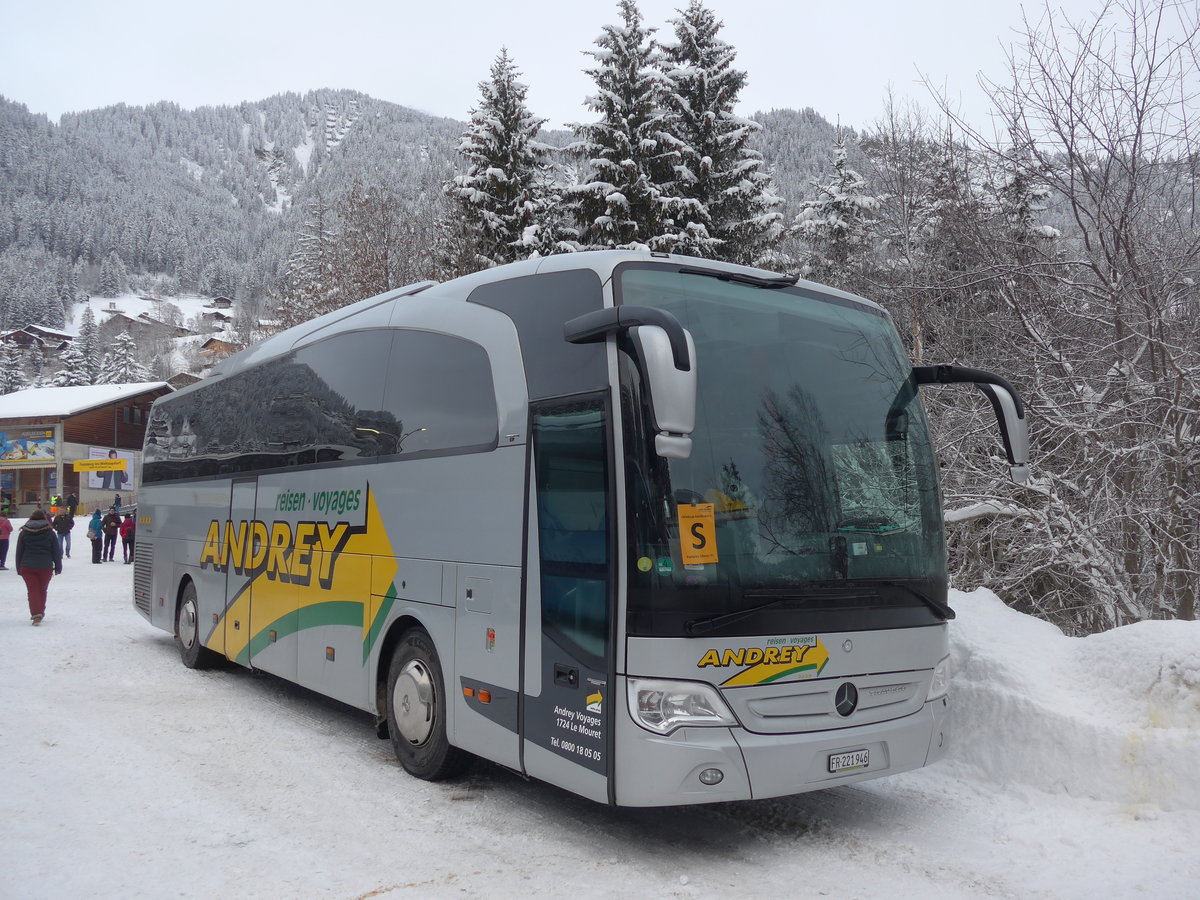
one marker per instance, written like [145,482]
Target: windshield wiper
[711,623]
[940,608]
[777,281]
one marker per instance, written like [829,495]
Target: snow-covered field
[124,775]
[133,306]
[191,312]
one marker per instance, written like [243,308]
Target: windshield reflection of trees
[819,487]
[797,496]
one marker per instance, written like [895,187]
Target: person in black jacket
[63,523]
[38,555]
[112,527]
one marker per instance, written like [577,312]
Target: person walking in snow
[72,504]
[38,559]
[5,531]
[112,527]
[95,533]
[63,523]
[128,529]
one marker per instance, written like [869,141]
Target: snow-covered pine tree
[33,363]
[624,198]
[52,313]
[64,283]
[113,277]
[121,364]
[88,344]
[12,376]
[727,206]
[308,287]
[1021,196]
[503,191]
[218,278]
[72,370]
[834,227]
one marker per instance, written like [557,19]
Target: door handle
[566,676]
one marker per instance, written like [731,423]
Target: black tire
[187,632]
[416,711]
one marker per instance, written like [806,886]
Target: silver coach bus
[656,530]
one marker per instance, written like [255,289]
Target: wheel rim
[414,702]
[187,622]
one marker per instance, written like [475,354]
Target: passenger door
[567,737]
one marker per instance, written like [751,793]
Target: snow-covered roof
[52,332]
[59,402]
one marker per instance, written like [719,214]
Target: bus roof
[602,262]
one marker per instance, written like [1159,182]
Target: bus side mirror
[1006,403]
[665,355]
[672,390]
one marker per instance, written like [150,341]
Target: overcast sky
[840,58]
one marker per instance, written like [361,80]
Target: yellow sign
[100,465]
[697,533]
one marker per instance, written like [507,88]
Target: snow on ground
[122,774]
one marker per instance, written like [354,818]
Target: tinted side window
[439,393]
[337,396]
[336,400]
[539,305]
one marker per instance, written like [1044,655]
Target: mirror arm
[596,326]
[964,375]
[1006,404]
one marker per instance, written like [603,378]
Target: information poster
[27,446]
[115,480]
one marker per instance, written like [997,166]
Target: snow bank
[1113,716]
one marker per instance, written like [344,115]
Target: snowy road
[123,774]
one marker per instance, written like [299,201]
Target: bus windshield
[810,499]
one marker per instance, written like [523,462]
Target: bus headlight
[941,680]
[662,706]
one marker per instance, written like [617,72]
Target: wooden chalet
[218,348]
[43,431]
[48,339]
[175,331]
[182,379]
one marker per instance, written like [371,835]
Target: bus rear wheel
[187,632]
[416,711]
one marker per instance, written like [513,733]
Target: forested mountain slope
[207,197]
[213,198]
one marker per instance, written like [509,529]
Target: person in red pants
[38,556]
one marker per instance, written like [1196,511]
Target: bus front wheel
[416,710]
[187,632]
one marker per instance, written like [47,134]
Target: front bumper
[664,771]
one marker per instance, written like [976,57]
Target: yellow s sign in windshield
[697,533]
